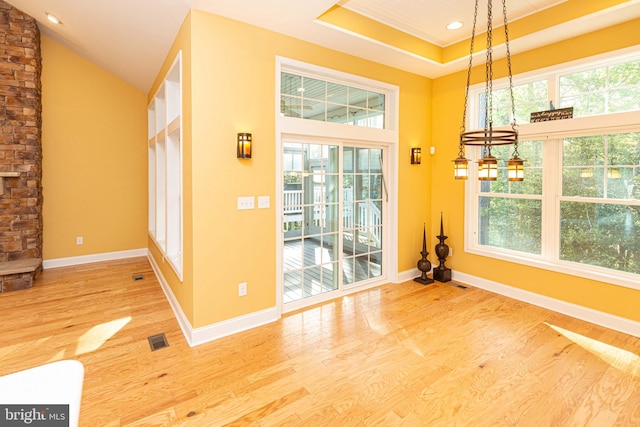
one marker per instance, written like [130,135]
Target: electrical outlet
[79,240]
[242,289]
[450,252]
[246,202]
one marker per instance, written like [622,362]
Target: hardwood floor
[399,355]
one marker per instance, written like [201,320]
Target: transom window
[315,99]
[528,97]
[578,208]
[606,89]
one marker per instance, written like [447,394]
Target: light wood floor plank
[397,355]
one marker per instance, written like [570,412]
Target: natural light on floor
[616,357]
[99,334]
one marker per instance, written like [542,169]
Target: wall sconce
[244,145]
[416,156]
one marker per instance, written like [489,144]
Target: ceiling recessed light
[454,25]
[52,18]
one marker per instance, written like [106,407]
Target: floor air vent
[157,342]
[137,277]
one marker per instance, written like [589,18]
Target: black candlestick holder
[442,273]
[423,264]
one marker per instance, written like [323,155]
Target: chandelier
[489,137]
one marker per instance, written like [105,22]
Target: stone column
[20,138]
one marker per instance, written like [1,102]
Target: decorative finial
[423,264]
[442,273]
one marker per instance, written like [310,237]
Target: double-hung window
[578,209]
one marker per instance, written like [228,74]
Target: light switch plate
[246,202]
[263,202]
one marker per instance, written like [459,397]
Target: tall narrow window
[165,167]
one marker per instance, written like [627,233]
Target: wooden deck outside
[323,278]
[398,355]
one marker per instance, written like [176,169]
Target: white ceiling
[130,38]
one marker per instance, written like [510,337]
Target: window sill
[614,277]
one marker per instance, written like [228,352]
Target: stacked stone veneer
[20,149]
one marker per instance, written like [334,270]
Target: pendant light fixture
[489,137]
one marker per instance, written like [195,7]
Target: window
[316,99]
[578,209]
[600,201]
[607,89]
[510,212]
[165,167]
[528,97]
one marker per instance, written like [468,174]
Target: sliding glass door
[332,217]
[362,200]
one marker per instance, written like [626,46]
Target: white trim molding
[590,315]
[405,276]
[86,259]
[204,334]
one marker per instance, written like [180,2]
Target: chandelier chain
[489,67]
[488,137]
[466,94]
[513,103]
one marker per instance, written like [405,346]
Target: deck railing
[369,217]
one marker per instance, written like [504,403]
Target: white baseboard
[590,315]
[214,331]
[229,327]
[86,259]
[405,276]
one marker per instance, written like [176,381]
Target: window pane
[624,80]
[600,234]
[313,110]
[603,166]
[358,97]
[290,106]
[602,90]
[357,116]
[337,93]
[528,98]
[290,83]
[584,91]
[513,224]
[531,152]
[375,101]
[583,182]
[314,89]
[375,186]
[362,160]
[336,113]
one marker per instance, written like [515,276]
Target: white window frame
[552,134]
[165,210]
[291,127]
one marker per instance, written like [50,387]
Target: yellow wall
[231,246]
[230,87]
[94,157]
[448,194]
